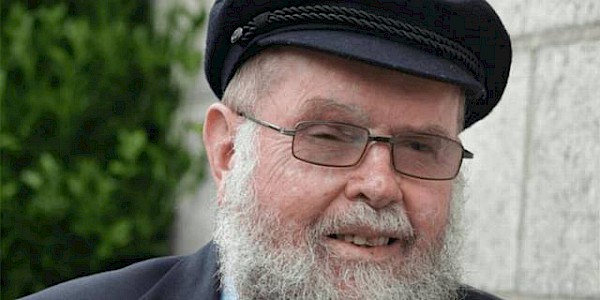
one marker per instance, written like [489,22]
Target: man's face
[325,88]
[323,216]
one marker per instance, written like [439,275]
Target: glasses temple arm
[467,154]
[281,130]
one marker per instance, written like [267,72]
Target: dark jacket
[183,277]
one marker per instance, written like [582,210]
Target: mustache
[390,221]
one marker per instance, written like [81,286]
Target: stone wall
[533,212]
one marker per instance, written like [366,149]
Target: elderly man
[335,151]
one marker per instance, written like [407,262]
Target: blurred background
[92,151]
[102,105]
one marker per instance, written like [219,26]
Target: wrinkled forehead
[281,64]
[313,85]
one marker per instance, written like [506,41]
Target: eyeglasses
[337,144]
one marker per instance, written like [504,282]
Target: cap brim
[377,51]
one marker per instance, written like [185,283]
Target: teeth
[363,241]
[359,240]
[348,238]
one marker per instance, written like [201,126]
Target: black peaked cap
[458,41]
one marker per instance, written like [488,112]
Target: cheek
[428,207]
[292,189]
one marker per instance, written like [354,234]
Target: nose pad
[375,181]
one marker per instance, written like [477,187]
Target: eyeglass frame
[466,154]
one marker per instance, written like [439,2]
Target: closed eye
[418,145]
[421,147]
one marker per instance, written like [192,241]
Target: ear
[218,135]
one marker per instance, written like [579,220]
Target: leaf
[9,142]
[32,179]
[131,144]
[2,86]
[89,175]
[8,190]
[121,169]
[49,165]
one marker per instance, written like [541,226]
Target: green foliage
[87,97]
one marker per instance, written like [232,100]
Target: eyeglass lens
[340,145]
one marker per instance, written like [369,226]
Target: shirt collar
[229,292]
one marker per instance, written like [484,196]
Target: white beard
[268,258]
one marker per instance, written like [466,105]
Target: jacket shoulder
[128,283]
[470,293]
[143,280]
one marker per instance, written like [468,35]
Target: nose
[374,180]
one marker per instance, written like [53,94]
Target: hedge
[90,164]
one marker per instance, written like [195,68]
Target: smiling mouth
[362,241]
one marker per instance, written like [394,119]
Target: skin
[316,86]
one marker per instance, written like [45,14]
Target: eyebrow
[432,129]
[328,109]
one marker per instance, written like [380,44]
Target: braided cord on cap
[327,14]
